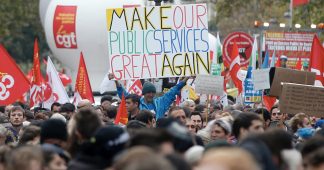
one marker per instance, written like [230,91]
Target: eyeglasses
[278,113]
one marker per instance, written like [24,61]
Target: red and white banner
[36,91]
[134,87]
[13,83]
[316,63]
[55,91]
[64,26]
[294,45]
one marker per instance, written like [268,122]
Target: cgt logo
[67,41]
[6,82]
[64,26]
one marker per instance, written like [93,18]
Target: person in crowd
[25,157]
[202,109]
[55,158]
[54,131]
[67,110]
[84,103]
[111,114]
[106,102]
[264,115]
[190,104]
[135,157]
[3,135]
[55,107]
[197,120]
[132,105]
[227,159]
[100,113]
[30,135]
[16,118]
[158,140]
[283,61]
[81,128]
[158,105]
[316,160]
[146,117]
[309,147]
[191,126]
[178,113]
[220,130]
[278,119]
[247,123]
[7,109]
[102,148]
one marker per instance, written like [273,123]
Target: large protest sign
[250,94]
[152,42]
[283,75]
[298,98]
[209,84]
[294,45]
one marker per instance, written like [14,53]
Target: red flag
[122,115]
[36,92]
[299,64]
[299,2]
[278,63]
[316,62]
[13,83]
[66,80]
[235,68]
[82,85]
[134,87]
[227,77]
[269,102]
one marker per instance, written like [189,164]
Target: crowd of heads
[193,135]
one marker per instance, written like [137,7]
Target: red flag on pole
[299,64]
[36,92]
[82,85]
[13,83]
[269,102]
[235,68]
[299,2]
[316,62]
[122,115]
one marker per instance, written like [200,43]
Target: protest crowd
[274,122]
[157,134]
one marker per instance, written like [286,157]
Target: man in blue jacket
[158,105]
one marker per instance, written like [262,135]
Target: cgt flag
[36,92]
[235,68]
[316,62]
[13,83]
[82,85]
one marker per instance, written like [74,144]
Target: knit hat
[53,129]
[225,125]
[148,87]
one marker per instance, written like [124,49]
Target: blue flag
[265,63]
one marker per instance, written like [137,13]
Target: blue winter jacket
[160,104]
